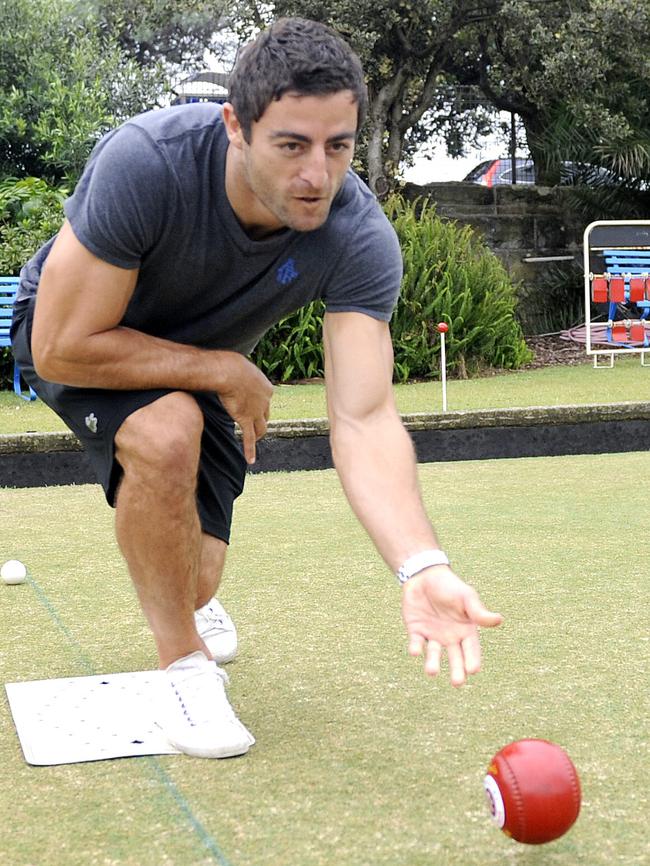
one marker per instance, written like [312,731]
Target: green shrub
[31,211]
[556,303]
[293,349]
[6,370]
[450,276]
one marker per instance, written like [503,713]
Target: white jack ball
[13,572]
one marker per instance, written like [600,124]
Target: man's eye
[291,146]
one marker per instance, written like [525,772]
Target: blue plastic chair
[8,289]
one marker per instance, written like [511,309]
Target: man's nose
[314,169]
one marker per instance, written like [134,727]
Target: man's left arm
[374,458]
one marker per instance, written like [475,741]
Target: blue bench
[627,281]
[629,264]
[8,289]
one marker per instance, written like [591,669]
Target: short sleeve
[368,276]
[117,208]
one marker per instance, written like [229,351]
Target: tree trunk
[395,144]
[376,178]
[548,170]
[380,179]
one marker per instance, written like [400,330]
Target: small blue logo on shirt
[287,273]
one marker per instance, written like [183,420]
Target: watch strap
[417,563]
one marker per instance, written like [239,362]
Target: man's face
[296,160]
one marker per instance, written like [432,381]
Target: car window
[478,172]
[499,171]
[525,171]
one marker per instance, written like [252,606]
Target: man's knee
[163,439]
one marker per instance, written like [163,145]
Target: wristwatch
[420,561]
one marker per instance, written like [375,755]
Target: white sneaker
[197,717]
[217,630]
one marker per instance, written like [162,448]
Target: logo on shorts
[287,273]
[91,422]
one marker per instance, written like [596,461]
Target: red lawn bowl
[533,791]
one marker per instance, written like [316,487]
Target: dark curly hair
[294,55]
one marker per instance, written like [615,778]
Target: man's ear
[233,127]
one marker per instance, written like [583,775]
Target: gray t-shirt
[153,197]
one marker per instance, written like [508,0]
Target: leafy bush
[64,81]
[31,211]
[450,276]
[556,304]
[6,369]
[293,349]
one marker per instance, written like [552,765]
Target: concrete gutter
[31,443]
[35,459]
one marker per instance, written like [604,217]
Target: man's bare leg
[173,566]
[213,558]
[157,523]
[214,625]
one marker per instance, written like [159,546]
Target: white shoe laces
[202,696]
[213,616]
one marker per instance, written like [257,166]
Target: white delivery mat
[66,721]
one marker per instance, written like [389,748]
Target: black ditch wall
[284,453]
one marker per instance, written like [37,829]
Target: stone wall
[518,223]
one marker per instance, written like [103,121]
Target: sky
[443,168]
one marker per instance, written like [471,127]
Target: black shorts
[95,414]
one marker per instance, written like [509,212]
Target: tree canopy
[580,66]
[176,33]
[62,84]
[576,74]
[545,60]
[70,70]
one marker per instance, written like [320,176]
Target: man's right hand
[440,611]
[246,396]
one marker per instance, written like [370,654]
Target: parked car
[494,172]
